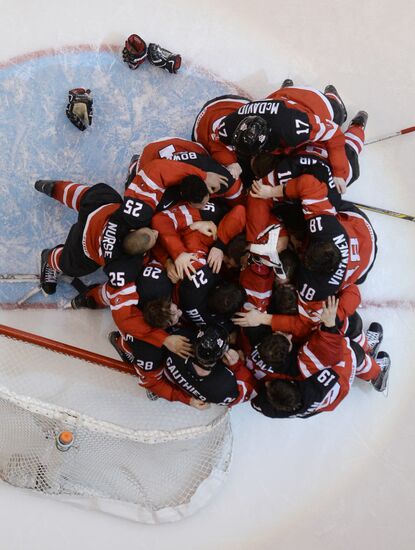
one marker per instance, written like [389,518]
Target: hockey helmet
[251,135]
[211,345]
[264,250]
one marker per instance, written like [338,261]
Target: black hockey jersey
[313,392]
[313,286]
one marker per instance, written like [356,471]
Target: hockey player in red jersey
[340,254]
[146,193]
[100,238]
[327,366]
[188,152]
[287,119]
[143,312]
[305,177]
[205,130]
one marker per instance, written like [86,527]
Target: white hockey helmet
[264,250]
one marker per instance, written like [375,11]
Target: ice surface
[339,480]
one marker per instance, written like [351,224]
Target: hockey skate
[45,186]
[152,396]
[331,92]
[163,58]
[134,52]
[288,83]
[381,382]
[114,338]
[360,119]
[374,337]
[48,276]
[82,300]
[132,169]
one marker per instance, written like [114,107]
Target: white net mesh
[150,461]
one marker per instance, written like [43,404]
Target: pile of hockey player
[233,261]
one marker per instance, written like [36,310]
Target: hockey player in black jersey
[325,368]
[100,238]
[216,374]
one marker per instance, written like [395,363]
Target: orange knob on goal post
[64,441]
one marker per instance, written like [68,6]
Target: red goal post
[66,349]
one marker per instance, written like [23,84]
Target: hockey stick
[18,278]
[389,136]
[79,285]
[386,212]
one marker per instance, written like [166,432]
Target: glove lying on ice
[163,58]
[79,108]
[135,51]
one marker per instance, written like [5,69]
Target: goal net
[148,461]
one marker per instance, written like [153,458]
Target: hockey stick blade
[386,212]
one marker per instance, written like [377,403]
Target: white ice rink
[336,481]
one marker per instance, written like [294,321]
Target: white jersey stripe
[76,195]
[124,304]
[65,194]
[185,211]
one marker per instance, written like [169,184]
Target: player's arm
[247,383]
[168,226]
[156,382]
[232,224]
[312,193]
[165,173]
[349,300]
[337,154]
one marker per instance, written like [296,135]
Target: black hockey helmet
[251,135]
[211,345]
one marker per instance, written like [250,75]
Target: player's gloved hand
[215,259]
[252,318]
[198,404]
[234,169]
[340,185]
[79,109]
[134,52]
[261,191]
[215,181]
[171,271]
[183,264]
[207,228]
[180,345]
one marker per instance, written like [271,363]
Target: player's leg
[355,139]
[93,297]
[66,192]
[339,108]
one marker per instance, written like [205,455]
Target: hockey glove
[79,109]
[163,58]
[135,51]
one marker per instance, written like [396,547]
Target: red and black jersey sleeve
[246,383]
[128,317]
